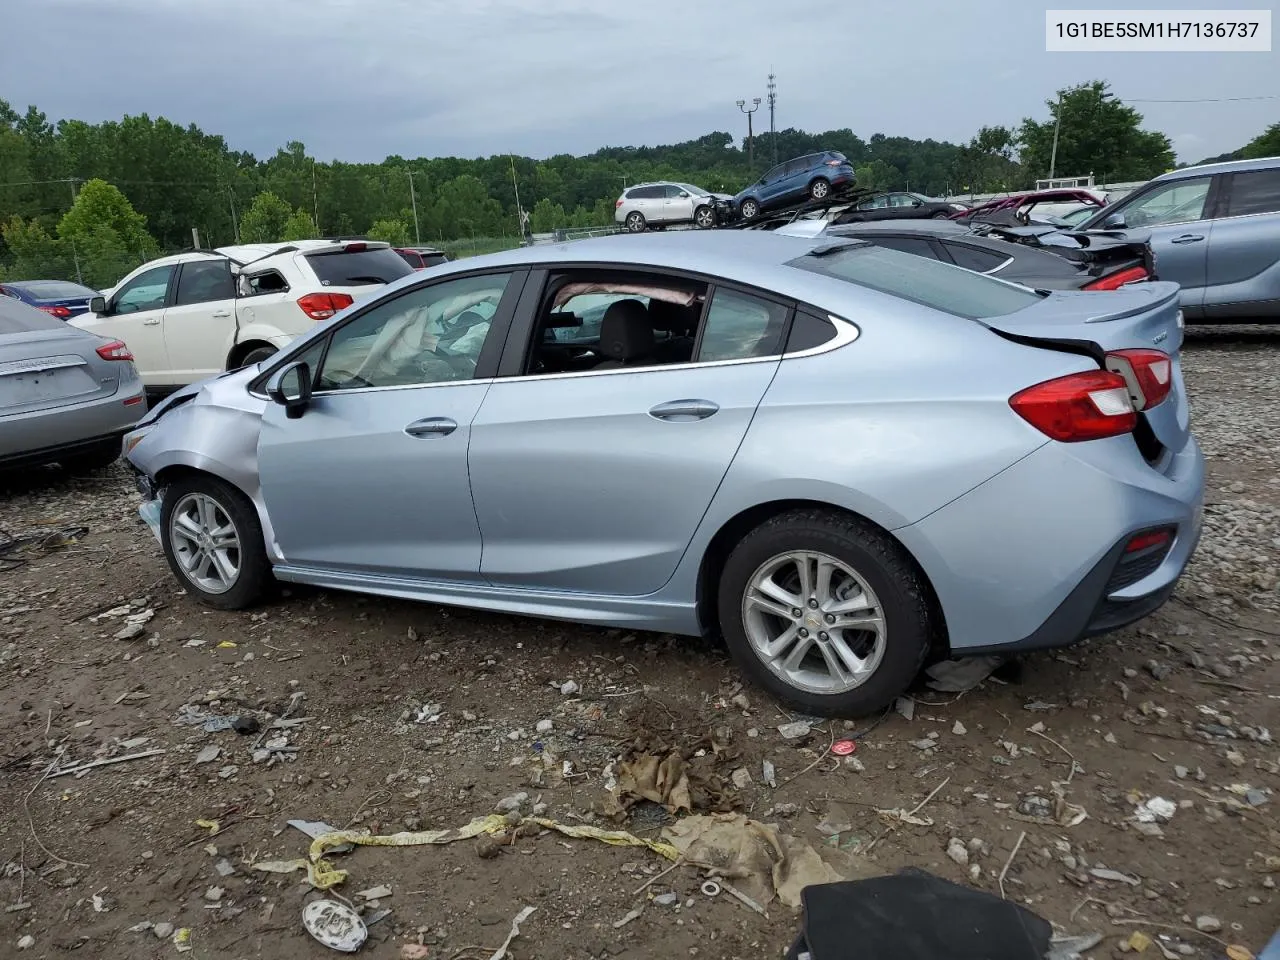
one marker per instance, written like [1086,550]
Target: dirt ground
[1178,707]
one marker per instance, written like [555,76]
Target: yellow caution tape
[322,875]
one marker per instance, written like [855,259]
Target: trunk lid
[44,369]
[1144,315]
[1099,253]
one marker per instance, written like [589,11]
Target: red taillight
[1118,279]
[617,203]
[1147,539]
[1148,375]
[834,163]
[322,306]
[1079,406]
[355,248]
[133,401]
[60,312]
[115,350]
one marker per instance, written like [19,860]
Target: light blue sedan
[842,458]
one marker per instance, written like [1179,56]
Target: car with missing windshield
[192,315]
[897,205]
[66,396]
[666,204]
[841,458]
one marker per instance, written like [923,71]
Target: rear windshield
[54,289]
[343,268]
[941,286]
[17,317]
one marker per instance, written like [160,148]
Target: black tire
[820,189]
[96,458]
[704,218]
[750,209]
[635,222]
[254,580]
[880,561]
[941,216]
[256,355]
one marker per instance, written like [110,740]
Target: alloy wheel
[205,543]
[814,622]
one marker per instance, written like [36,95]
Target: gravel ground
[120,860]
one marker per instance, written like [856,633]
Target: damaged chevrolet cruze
[841,458]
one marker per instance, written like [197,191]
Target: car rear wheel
[940,216]
[704,217]
[819,189]
[825,612]
[96,458]
[213,542]
[750,209]
[257,355]
[635,222]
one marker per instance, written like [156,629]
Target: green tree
[299,226]
[36,254]
[1098,135]
[394,232]
[265,220]
[101,205]
[1266,144]
[547,216]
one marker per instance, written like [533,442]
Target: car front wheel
[704,218]
[213,542]
[826,612]
[257,355]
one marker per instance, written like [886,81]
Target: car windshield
[931,283]
[54,289]
[696,191]
[346,268]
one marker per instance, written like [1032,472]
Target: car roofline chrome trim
[846,332]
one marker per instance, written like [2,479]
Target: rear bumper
[1035,557]
[43,436]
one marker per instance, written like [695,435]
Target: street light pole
[751,147]
[1053,157]
[773,101]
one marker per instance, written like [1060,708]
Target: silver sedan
[842,458]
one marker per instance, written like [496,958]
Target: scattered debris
[569,688]
[769,774]
[380,892]
[1208,924]
[318,828]
[1114,876]
[414,951]
[208,755]
[794,730]
[628,917]
[958,852]
[1155,810]
[960,676]
[335,924]
[959,729]
[906,707]
[843,748]
[520,918]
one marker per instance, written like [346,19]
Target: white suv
[662,204]
[194,315]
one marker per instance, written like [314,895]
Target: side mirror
[290,387]
[98,305]
[682,194]
[917,203]
[1114,222]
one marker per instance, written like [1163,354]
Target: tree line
[92,200]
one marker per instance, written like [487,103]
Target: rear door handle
[684,411]
[431,427]
[1188,238]
[154,321]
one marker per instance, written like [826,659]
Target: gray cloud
[361,79]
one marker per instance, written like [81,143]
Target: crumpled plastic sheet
[323,875]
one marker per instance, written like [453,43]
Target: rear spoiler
[1100,252]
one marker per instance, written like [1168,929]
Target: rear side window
[939,286]
[17,317]
[353,268]
[645,193]
[1257,191]
[972,258]
[204,280]
[915,246]
[740,326]
[411,258]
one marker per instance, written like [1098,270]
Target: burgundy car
[1016,208]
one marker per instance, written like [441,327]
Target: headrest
[626,331]
[678,320]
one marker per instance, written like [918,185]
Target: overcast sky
[357,80]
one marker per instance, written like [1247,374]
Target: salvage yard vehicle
[66,396]
[192,315]
[817,177]
[842,458]
[898,205]
[1039,206]
[58,298]
[1215,230]
[666,204]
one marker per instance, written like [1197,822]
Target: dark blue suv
[817,177]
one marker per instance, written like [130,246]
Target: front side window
[146,291]
[204,280]
[430,335]
[940,286]
[913,245]
[902,200]
[740,326]
[1256,191]
[674,191]
[1181,201]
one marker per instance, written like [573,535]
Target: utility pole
[315,197]
[520,221]
[773,101]
[751,146]
[1053,157]
[413,199]
[235,223]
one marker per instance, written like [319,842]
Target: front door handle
[431,427]
[1188,238]
[154,321]
[684,411]
[221,313]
